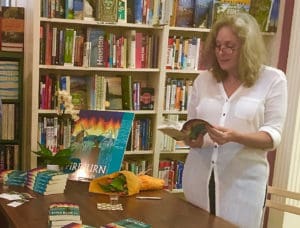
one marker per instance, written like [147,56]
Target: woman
[245,101]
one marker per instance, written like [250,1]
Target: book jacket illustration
[99,139]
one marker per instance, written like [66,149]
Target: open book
[181,131]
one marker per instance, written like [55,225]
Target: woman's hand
[220,135]
[198,142]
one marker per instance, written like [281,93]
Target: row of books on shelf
[136,166]
[97,92]
[185,53]
[96,47]
[12,29]
[55,133]
[9,80]
[141,135]
[9,156]
[202,13]
[171,172]
[152,12]
[177,93]
[8,122]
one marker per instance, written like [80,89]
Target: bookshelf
[155,77]
[11,89]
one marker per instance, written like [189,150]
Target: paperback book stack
[63,213]
[46,182]
[14,177]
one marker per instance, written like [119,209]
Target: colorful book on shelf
[107,11]
[227,7]
[180,131]
[260,10]
[99,140]
[12,29]
[127,223]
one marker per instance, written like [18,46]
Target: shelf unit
[11,142]
[156,77]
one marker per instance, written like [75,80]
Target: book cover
[114,94]
[122,11]
[12,29]
[99,139]
[260,10]
[273,19]
[64,211]
[107,11]
[78,9]
[127,223]
[96,38]
[78,91]
[223,7]
[203,12]
[147,98]
[180,131]
[184,13]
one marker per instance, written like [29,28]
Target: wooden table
[170,212]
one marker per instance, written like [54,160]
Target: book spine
[138,11]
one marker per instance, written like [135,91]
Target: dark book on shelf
[147,98]
[184,13]
[203,12]
[12,29]
[96,37]
[99,140]
[126,86]
[273,19]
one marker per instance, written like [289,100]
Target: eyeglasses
[225,49]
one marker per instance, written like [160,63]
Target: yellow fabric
[135,183]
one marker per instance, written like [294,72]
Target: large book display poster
[99,140]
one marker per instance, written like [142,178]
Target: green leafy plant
[60,158]
[116,185]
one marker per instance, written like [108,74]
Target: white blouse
[241,173]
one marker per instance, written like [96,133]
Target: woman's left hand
[220,135]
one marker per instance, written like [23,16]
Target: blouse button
[224,114]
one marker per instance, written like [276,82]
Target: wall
[287,169]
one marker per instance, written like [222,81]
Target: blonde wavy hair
[252,51]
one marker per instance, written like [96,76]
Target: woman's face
[227,49]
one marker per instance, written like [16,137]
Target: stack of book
[14,177]
[63,213]
[46,182]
